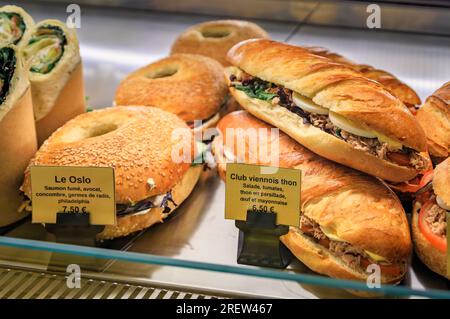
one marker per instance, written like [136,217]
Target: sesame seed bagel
[215,38]
[190,86]
[136,141]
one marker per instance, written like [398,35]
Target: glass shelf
[93,253]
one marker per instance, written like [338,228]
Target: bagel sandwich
[398,88]
[434,116]
[190,86]
[137,142]
[15,25]
[348,220]
[56,75]
[214,38]
[17,132]
[328,107]
[429,221]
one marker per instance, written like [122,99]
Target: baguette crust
[334,86]
[441,181]
[321,142]
[357,208]
[427,253]
[195,40]
[434,116]
[191,86]
[319,259]
[399,89]
[136,141]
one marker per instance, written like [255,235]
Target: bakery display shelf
[195,250]
[196,247]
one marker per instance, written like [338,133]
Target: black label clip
[74,228]
[259,241]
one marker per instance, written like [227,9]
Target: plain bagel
[215,38]
[191,86]
[138,143]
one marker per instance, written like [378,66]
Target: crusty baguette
[399,89]
[321,142]
[434,116]
[358,208]
[331,85]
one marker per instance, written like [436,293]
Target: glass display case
[193,253]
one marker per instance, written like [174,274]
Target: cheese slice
[375,256]
[441,203]
[392,144]
[307,104]
[361,130]
[350,126]
[331,235]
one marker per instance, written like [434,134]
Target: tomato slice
[439,242]
[399,158]
[390,270]
[415,184]
[325,242]
[413,110]
[308,229]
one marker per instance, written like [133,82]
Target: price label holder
[264,201]
[74,204]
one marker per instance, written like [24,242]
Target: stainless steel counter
[115,42]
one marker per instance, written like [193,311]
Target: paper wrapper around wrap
[70,103]
[18,145]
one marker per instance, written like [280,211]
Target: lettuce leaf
[256,91]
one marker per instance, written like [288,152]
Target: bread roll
[336,90]
[214,38]
[434,116]
[191,86]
